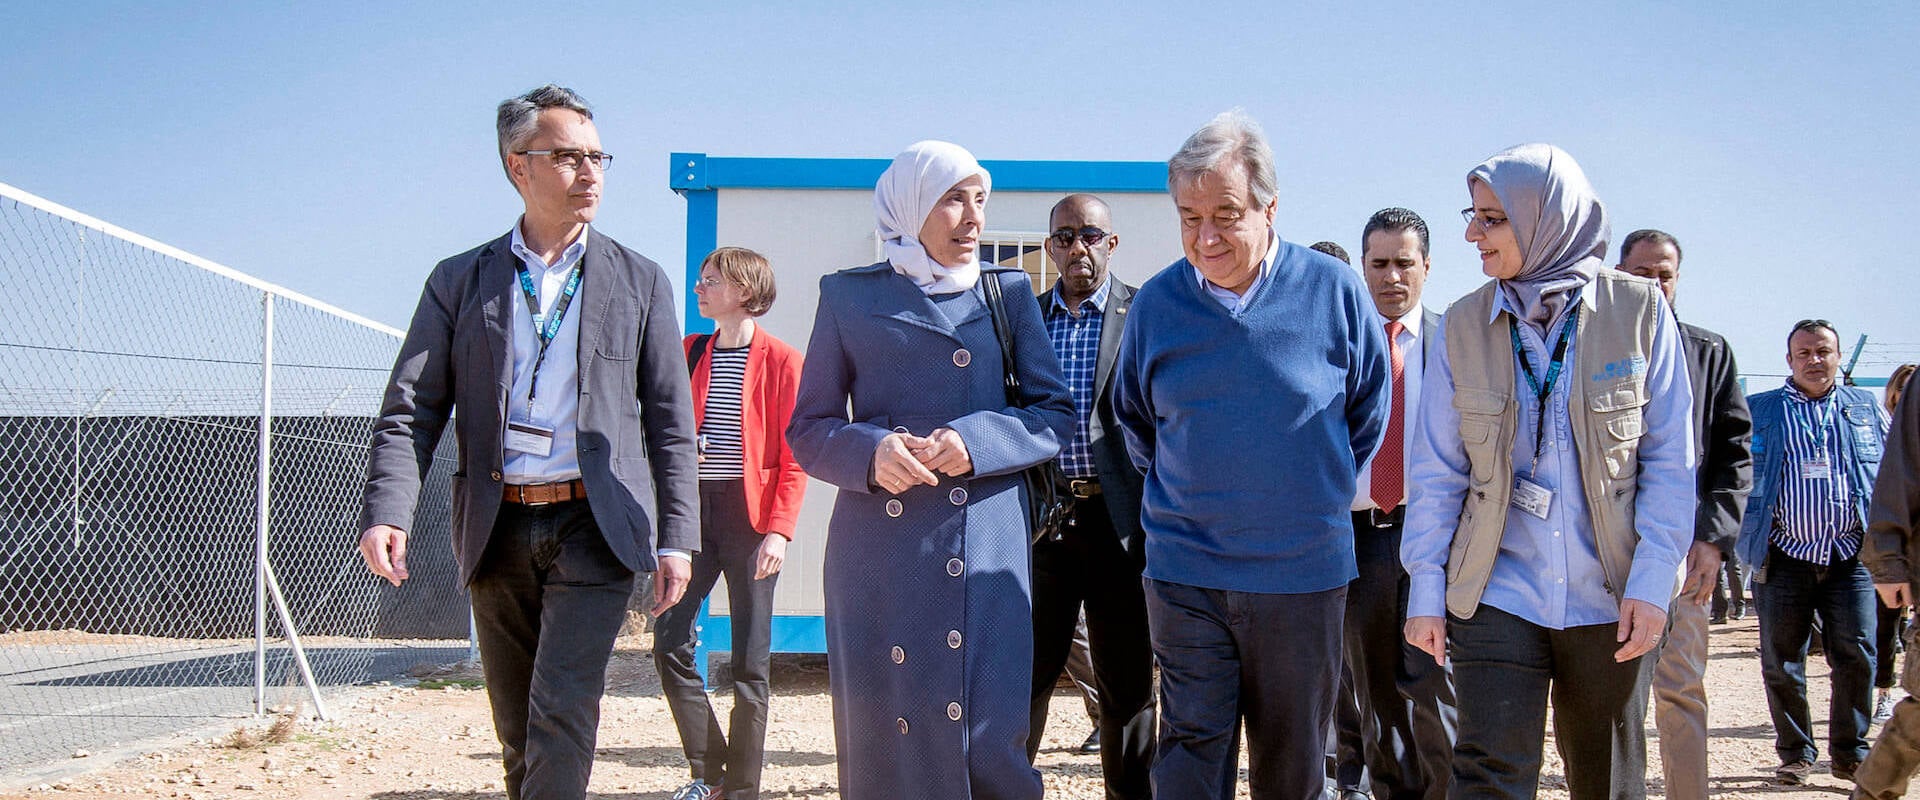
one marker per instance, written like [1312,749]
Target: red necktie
[1389,463]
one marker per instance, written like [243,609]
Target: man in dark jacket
[1892,554]
[1723,426]
[1096,558]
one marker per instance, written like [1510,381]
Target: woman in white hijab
[902,407]
[1552,489]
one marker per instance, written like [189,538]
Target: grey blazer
[1120,482]
[636,432]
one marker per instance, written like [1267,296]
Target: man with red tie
[1406,700]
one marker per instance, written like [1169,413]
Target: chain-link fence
[152,541]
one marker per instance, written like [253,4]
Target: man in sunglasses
[1816,450]
[1096,558]
[560,350]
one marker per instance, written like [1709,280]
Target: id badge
[1531,497]
[531,438]
[1816,469]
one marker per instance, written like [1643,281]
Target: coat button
[953,711]
[953,639]
[902,722]
[899,655]
[894,508]
[494,475]
[962,357]
[958,496]
[954,566]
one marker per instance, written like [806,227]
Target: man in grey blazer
[1096,559]
[1406,701]
[561,352]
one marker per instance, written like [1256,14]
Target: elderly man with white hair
[1251,384]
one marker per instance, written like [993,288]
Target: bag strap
[1003,330]
[698,352]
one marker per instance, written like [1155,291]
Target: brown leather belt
[540,494]
[1083,488]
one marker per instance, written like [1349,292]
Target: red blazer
[775,482]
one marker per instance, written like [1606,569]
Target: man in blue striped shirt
[1816,448]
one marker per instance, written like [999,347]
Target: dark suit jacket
[1723,428]
[635,424]
[1119,481]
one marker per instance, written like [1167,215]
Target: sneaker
[696,790]
[1793,773]
[1883,707]
[1843,770]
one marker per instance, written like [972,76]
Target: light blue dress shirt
[1235,303]
[1548,570]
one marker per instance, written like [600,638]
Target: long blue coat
[928,598]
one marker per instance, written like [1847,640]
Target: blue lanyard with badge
[1819,465]
[1529,496]
[524,435]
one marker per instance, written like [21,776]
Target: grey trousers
[548,600]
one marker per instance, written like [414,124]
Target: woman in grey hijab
[1552,490]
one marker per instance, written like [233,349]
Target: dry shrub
[246,737]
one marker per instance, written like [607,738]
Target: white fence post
[263,466]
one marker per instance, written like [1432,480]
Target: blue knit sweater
[1250,428]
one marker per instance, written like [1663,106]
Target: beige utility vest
[1606,390]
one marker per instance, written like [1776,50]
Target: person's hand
[670,583]
[770,556]
[945,453]
[1703,573]
[384,548]
[1428,634]
[1894,595]
[895,469]
[1641,626]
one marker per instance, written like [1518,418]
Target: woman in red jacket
[744,381]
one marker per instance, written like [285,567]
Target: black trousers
[730,758]
[1270,660]
[1506,668]
[1731,581]
[1087,565]
[548,599]
[1406,709]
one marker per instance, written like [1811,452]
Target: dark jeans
[727,545]
[1087,565]
[1506,669]
[1789,594]
[1405,701]
[548,599]
[1270,660]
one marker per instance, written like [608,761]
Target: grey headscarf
[1558,220]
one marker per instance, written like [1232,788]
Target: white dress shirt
[1410,342]
[1235,303]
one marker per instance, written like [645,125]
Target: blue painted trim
[703,235]
[696,172]
[790,634]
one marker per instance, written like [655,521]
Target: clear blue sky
[342,149]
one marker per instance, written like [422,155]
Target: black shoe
[1843,770]
[1717,619]
[1092,744]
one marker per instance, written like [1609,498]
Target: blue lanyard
[545,329]
[1542,392]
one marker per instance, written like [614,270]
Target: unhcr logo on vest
[1624,368]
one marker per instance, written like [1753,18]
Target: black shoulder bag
[1047,507]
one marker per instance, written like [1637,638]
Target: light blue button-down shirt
[1548,570]
[557,403]
[1235,303]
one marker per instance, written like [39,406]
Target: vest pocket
[1617,408]
[1480,413]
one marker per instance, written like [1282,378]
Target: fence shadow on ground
[345,665]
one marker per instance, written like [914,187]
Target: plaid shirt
[1076,342]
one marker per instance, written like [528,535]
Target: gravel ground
[419,743]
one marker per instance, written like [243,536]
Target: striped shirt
[1813,513]
[721,453]
[1076,342]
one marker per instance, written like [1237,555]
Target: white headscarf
[906,193]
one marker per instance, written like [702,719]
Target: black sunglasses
[1089,234]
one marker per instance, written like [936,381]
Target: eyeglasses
[1486,223]
[711,283]
[1811,324]
[1089,234]
[573,160]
